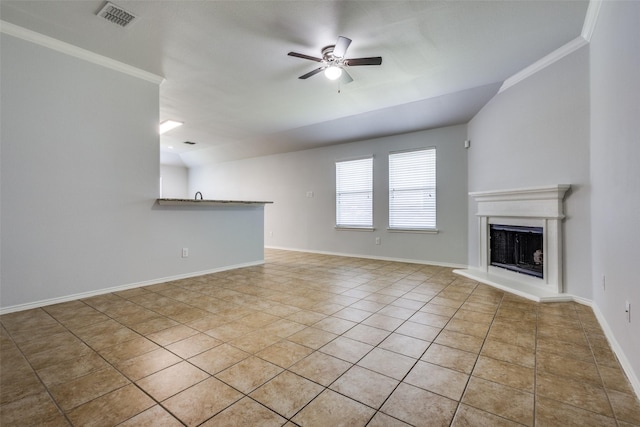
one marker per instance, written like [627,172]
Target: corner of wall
[617,348]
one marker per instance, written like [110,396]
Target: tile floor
[312,340]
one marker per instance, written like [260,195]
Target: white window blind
[412,190]
[354,193]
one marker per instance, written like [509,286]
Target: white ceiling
[228,76]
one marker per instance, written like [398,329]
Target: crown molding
[591,19]
[544,62]
[77,52]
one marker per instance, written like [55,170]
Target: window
[354,193]
[412,190]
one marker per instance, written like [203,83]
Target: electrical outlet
[627,310]
[185,252]
[377,240]
[309,194]
[271,234]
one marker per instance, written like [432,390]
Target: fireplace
[517,248]
[519,239]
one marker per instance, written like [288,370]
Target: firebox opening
[517,248]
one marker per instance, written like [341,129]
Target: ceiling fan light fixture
[333,72]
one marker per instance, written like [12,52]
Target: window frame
[432,177]
[370,191]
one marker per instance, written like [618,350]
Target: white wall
[175,182]
[536,133]
[79,179]
[304,223]
[615,171]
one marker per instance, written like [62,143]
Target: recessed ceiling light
[167,125]
[171,147]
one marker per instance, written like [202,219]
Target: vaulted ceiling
[229,79]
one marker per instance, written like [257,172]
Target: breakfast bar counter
[208,202]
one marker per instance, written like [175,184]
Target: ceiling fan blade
[341,47]
[303,56]
[311,73]
[376,60]
[345,78]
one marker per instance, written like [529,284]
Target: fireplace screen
[517,249]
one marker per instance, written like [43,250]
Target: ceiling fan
[334,63]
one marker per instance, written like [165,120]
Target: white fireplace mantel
[537,207]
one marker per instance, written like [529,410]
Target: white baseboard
[617,349]
[66,298]
[380,258]
[535,296]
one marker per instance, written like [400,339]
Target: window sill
[339,228]
[414,230]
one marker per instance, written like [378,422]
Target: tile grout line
[131,381]
[244,280]
[64,413]
[424,352]
[478,355]
[34,370]
[597,366]
[327,387]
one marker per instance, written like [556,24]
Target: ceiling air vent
[116,14]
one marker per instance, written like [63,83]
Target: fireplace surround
[533,269]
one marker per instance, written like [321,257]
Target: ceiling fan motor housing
[327,52]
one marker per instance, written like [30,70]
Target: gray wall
[308,223]
[615,171]
[175,182]
[79,179]
[536,133]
